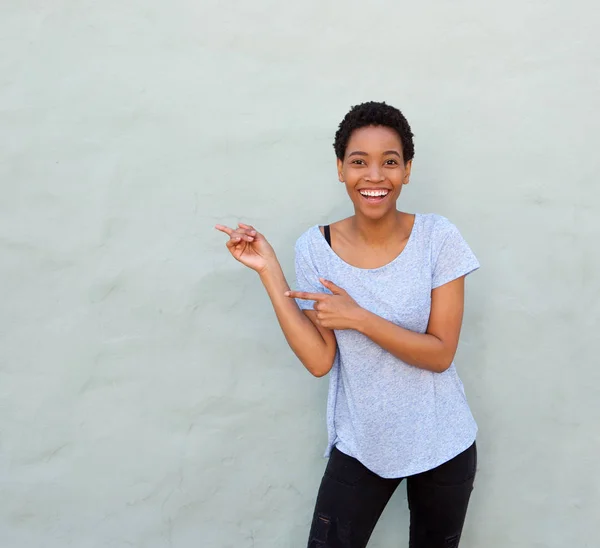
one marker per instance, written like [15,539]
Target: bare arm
[314,345]
[433,350]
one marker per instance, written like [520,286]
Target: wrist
[272,270]
[361,320]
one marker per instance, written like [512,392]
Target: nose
[375,174]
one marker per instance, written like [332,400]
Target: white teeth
[374,192]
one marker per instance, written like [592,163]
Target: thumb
[332,287]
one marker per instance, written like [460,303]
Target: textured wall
[147,397]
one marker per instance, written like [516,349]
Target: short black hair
[374,114]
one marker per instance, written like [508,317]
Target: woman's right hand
[249,247]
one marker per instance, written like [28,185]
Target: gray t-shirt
[396,419]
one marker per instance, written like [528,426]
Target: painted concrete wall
[147,397]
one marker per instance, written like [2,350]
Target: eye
[358,162]
[391,162]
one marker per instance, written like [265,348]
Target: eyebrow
[361,153]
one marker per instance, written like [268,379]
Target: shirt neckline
[396,259]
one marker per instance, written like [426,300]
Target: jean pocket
[344,469]
[458,470]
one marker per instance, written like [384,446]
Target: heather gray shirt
[395,418]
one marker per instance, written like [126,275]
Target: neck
[379,232]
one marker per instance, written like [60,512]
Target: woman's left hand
[337,311]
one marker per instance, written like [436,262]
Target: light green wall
[147,397]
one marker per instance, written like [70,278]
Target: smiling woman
[379,306]
[375,173]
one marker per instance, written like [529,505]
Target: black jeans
[351,499]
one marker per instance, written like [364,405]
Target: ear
[340,170]
[407,168]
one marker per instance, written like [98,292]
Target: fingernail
[287,293]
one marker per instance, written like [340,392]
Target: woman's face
[373,170]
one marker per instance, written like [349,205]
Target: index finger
[226,229]
[304,296]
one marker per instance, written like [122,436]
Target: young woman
[379,308]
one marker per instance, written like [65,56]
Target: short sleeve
[307,276]
[453,257]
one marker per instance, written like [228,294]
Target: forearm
[418,349]
[300,333]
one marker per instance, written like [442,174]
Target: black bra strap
[327,234]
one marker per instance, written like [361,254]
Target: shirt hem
[410,471]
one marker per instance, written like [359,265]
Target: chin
[374,215]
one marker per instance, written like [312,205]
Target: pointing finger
[243,235]
[304,296]
[240,232]
[226,229]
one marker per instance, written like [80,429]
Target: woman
[379,307]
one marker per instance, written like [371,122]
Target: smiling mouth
[374,196]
